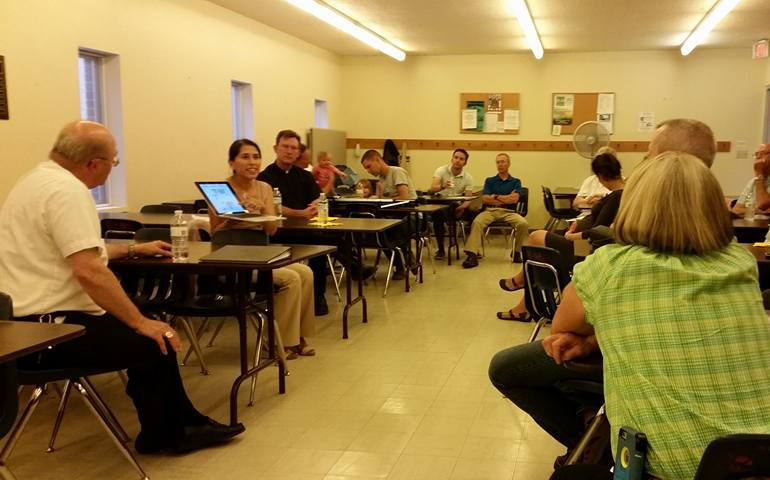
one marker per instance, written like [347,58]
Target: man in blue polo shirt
[501,193]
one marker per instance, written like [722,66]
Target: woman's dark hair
[607,166]
[235,148]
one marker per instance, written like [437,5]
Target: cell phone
[631,454]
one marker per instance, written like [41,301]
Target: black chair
[381,242]
[74,377]
[736,456]
[119,228]
[162,208]
[557,214]
[522,207]
[200,206]
[544,279]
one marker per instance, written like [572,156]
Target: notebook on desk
[225,203]
[262,254]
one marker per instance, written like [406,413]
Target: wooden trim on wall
[502,146]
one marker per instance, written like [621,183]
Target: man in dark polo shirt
[501,193]
[299,193]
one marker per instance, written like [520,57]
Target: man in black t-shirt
[299,193]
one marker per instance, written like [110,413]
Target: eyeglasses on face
[115,160]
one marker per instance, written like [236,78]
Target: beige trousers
[294,308]
[482,221]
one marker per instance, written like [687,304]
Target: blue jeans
[531,379]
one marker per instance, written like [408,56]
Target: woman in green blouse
[676,309]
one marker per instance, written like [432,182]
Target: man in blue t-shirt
[500,196]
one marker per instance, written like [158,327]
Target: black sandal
[516,317]
[504,285]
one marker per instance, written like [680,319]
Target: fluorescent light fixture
[334,18]
[521,11]
[712,18]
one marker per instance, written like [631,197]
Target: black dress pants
[154,383]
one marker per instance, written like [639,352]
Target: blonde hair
[673,204]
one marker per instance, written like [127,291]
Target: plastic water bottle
[359,190]
[277,201]
[749,215]
[323,209]
[179,249]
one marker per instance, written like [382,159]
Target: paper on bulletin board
[469,119]
[556,130]
[500,127]
[490,122]
[605,103]
[511,119]
[563,109]
[605,120]
[646,122]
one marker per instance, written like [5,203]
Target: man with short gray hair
[684,135]
[53,264]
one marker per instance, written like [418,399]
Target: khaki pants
[294,308]
[482,221]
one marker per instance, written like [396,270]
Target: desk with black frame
[344,229]
[243,272]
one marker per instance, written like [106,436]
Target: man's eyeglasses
[115,160]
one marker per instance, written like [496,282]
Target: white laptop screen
[221,196]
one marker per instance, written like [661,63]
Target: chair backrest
[735,457]
[160,208]
[522,206]
[544,279]
[548,200]
[238,236]
[119,228]
[152,234]
[200,206]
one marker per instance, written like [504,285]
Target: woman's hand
[563,347]
[252,204]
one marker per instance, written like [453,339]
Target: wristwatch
[131,250]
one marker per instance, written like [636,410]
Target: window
[100,102]
[321,115]
[243,116]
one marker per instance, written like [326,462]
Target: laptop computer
[224,201]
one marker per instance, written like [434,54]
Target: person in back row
[325,173]
[592,190]
[299,194]
[757,190]
[294,310]
[500,196]
[450,181]
[53,264]
[677,311]
[607,169]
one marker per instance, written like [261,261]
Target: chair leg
[216,332]
[60,414]
[595,426]
[430,254]
[334,277]
[513,244]
[99,402]
[390,272]
[258,325]
[198,336]
[88,395]
[194,343]
[14,435]
[405,266]
[537,328]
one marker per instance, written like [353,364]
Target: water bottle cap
[177,212]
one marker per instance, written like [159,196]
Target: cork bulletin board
[489,113]
[579,108]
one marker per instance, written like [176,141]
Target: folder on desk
[261,254]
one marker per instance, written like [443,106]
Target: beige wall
[177,58]
[419,98]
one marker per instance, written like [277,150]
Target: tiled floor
[405,398]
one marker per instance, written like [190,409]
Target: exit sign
[759,50]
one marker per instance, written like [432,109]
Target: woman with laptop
[294,310]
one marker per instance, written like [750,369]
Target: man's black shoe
[472,260]
[210,433]
[517,257]
[440,255]
[365,272]
[321,308]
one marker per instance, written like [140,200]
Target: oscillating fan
[590,137]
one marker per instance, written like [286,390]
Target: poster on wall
[563,109]
[646,122]
[3,91]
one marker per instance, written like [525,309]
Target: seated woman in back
[676,309]
[607,169]
[294,309]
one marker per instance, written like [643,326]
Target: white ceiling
[431,27]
